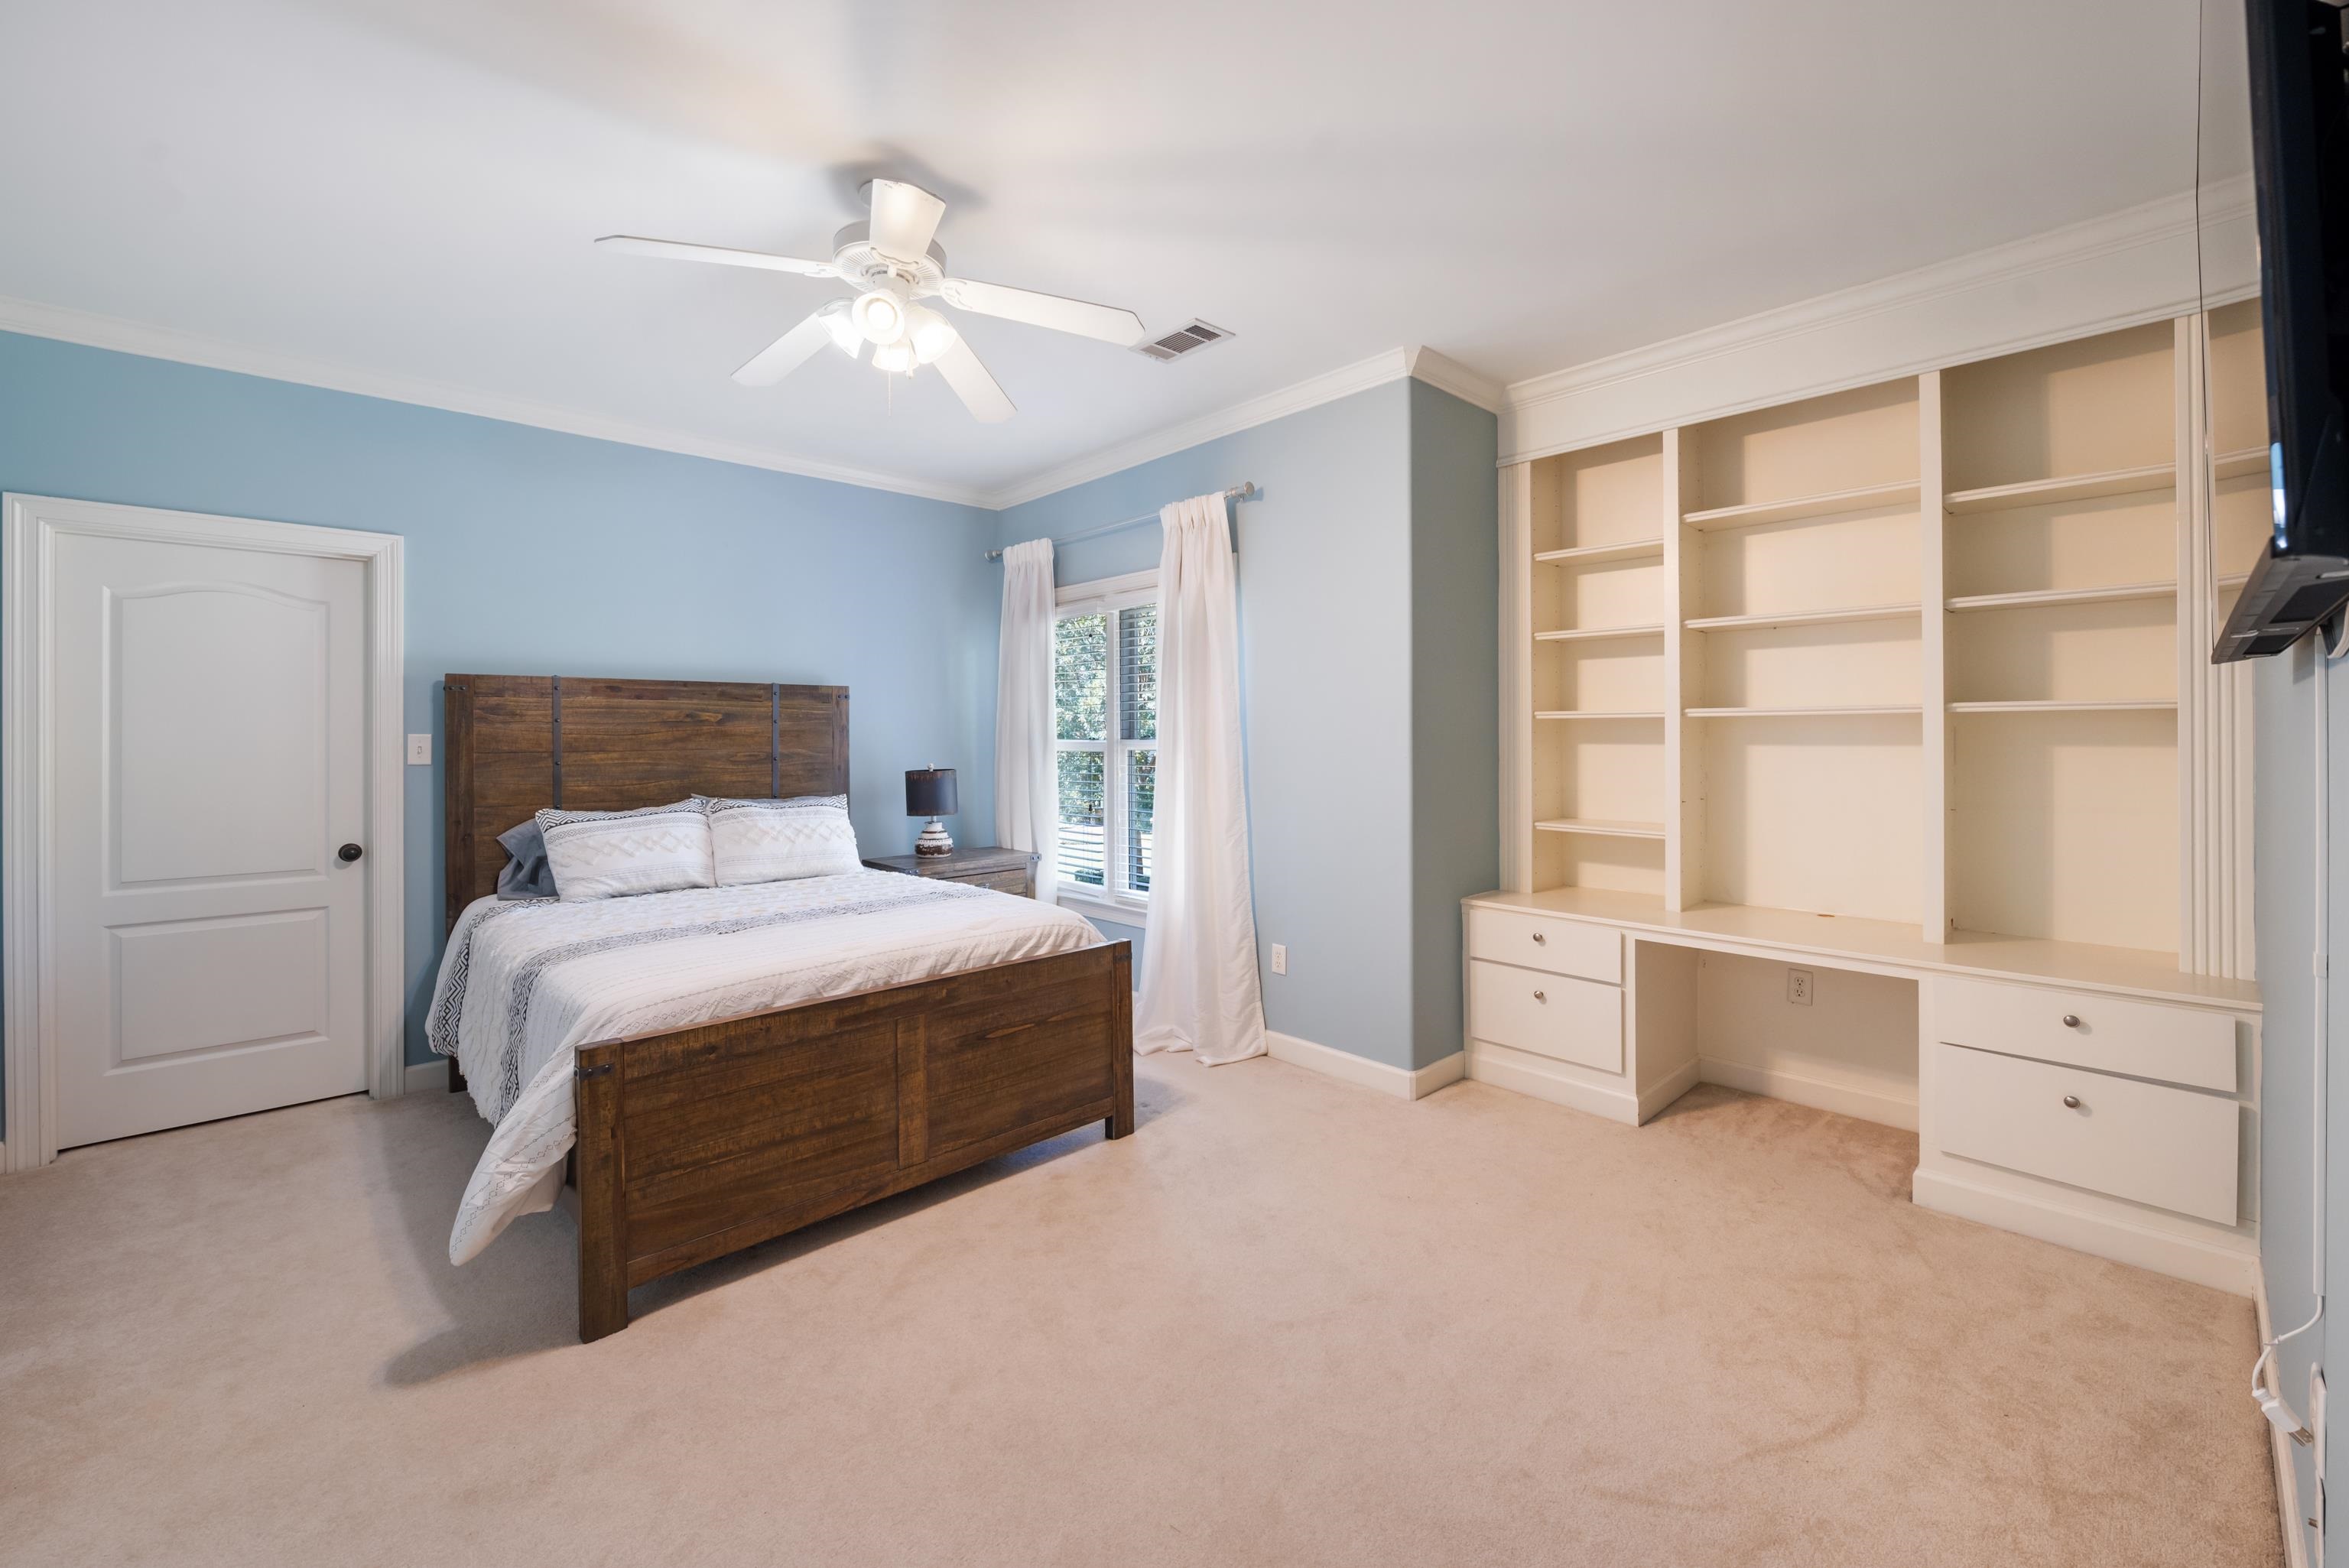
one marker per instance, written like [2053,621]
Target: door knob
[348,853]
[2071,1102]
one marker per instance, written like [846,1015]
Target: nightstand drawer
[2171,1148]
[2144,1039]
[1540,942]
[1577,1021]
[1001,882]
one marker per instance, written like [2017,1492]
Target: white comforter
[523,985]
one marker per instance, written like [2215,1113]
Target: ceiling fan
[894,265]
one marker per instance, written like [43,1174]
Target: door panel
[209,715]
[238,980]
[218,696]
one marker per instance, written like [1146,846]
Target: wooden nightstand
[1005,871]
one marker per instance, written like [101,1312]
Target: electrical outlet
[1798,988]
[419,751]
[1279,958]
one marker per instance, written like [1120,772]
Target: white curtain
[1027,809]
[1199,989]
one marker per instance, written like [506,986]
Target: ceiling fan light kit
[893,264]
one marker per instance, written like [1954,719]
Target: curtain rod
[1238,492]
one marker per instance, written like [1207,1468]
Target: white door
[207,714]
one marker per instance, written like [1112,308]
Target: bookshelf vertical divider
[1516,656]
[1683,749]
[1932,679]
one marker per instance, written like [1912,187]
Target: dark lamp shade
[930,792]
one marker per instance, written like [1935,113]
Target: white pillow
[612,855]
[782,841]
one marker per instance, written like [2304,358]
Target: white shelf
[2133,705]
[2064,596]
[1806,617]
[2074,487]
[2239,465]
[1831,504]
[1801,712]
[1595,714]
[1592,554]
[1598,633]
[1601,828]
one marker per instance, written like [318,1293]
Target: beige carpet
[1288,1321]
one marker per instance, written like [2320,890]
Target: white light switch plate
[419,751]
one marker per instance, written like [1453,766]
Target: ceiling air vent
[1182,341]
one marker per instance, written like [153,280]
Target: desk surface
[1886,946]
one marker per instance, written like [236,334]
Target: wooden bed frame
[700,1141]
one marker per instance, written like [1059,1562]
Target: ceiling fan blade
[973,385]
[678,250]
[1105,321]
[786,354]
[905,219]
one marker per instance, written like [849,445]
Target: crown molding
[1446,374]
[2104,273]
[1392,364]
[35,319]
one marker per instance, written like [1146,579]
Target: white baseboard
[1819,1089]
[1668,1088]
[2235,1270]
[2287,1474]
[427,1078]
[1525,1073]
[1404,1083]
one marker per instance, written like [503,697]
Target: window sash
[1121,854]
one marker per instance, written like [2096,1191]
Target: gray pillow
[526,874]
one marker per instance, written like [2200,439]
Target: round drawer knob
[2071,1020]
[1541,995]
[1539,940]
[2071,1102]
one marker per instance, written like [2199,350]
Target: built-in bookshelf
[1930,651]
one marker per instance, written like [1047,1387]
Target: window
[1105,712]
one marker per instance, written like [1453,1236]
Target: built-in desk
[2096,1096]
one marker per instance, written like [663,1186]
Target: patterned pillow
[782,841]
[612,855]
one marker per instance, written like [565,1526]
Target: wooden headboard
[514,744]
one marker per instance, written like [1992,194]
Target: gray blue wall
[2285,876]
[1372,550]
[530,552]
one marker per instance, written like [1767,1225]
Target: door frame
[28,767]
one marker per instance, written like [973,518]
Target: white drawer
[2144,1039]
[1573,1020]
[1540,942]
[2171,1148]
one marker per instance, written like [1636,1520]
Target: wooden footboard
[699,1142]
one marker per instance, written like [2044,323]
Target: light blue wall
[530,552]
[1367,607]
[2285,876]
[1325,609]
[1372,796]
[1455,734]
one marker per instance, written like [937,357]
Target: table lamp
[930,792]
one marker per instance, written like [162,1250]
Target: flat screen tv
[2300,158]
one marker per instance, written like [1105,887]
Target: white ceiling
[408,188]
